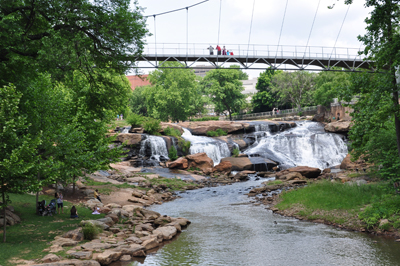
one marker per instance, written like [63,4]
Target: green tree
[173,94]
[60,36]
[295,87]
[17,149]
[327,84]
[137,101]
[242,75]
[225,90]
[265,100]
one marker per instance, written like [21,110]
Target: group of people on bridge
[220,51]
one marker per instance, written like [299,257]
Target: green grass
[206,118]
[171,183]
[274,182]
[328,196]
[119,123]
[27,239]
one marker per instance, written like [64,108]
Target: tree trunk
[230,116]
[73,185]
[396,118]
[37,196]
[4,218]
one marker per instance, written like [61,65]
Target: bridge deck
[260,62]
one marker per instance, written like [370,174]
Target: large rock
[174,126]
[180,163]
[243,175]
[338,127]
[75,235]
[239,163]
[73,262]
[201,161]
[50,258]
[82,255]
[202,127]
[291,176]
[108,256]
[132,249]
[64,242]
[223,167]
[128,138]
[167,232]
[91,246]
[151,243]
[308,172]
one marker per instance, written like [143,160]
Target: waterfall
[126,130]
[306,145]
[154,147]
[214,149]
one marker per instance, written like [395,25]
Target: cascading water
[155,147]
[126,130]
[214,149]
[306,144]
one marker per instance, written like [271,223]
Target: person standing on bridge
[218,49]
[211,50]
[227,52]
[224,51]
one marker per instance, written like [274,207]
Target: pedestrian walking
[60,203]
[121,116]
[117,117]
[211,50]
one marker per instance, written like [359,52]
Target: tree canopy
[225,90]
[265,100]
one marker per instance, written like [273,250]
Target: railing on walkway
[257,50]
[281,113]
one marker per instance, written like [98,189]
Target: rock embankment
[129,231]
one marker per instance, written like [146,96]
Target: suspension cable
[187,33]
[279,40]
[219,26]
[251,25]
[334,46]
[312,26]
[155,37]
[175,10]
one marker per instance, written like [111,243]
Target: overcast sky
[236,16]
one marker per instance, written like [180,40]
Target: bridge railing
[273,114]
[256,50]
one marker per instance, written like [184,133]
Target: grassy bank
[352,206]
[27,239]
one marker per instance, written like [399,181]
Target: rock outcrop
[340,126]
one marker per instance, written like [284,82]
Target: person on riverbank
[117,117]
[60,203]
[74,212]
[211,49]
[218,49]
[121,116]
[96,195]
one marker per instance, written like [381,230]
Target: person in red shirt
[231,53]
[218,49]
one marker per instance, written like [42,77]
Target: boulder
[150,215]
[107,220]
[290,176]
[50,258]
[144,227]
[131,250]
[75,235]
[73,262]
[128,138]
[104,210]
[347,164]
[239,163]
[108,256]
[80,185]
[340,126]
[64,242]
[91,246]
[202,127]
[141,201]
[113,217]
[135,179]
[174,126]
[180,163]
[243,175]
[201,161]
[96,223]
[82,255]
[134,239]
[308,172]
[113,205]
[151,243]
[131,208]
[223,167]
[93,203]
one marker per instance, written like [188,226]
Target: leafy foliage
[327,85]
[170,131]
[206,118]
[265,100]
[135,120]
[225,90]
[90,231]
[218,132]
[172,153]
[235,152]
[152,126]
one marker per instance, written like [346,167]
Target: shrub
[90,231]
[235,152]
[184,145]
[135,120]
[217,133]
[169,131]
[173,153]
[206,118]
[152,126]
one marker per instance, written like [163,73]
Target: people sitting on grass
[74,212]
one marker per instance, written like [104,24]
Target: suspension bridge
[254,56]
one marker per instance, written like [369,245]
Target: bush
[235,152]
[169,131]
[173,153]
[152,126]
[217,133]
[90,231]
[184,145]
[206,118]
[135,120]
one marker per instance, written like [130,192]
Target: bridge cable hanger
[175,10]
[312,26]
[251,25]
[279,40]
